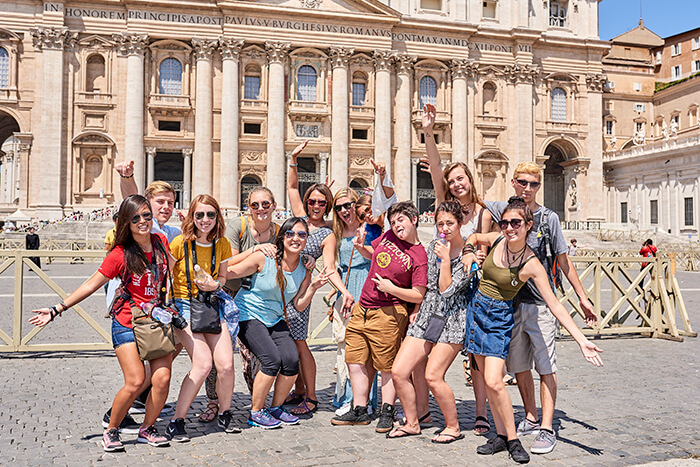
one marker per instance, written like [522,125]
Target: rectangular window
[675,49]
[251,88]
[640,107]
[358,94]
[637,86]
[431,5]
[422,138]
[489,9]
[696,66]
[658,57]
[695,43]
[610,84]
[623,212]
[676,119]
[639,126]
[654,211]
[609,127]
[358,133]
[610,105]
[252,128]
[166,125]
[557,14]
[688,205]
[676,72]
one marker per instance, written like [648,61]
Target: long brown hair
[189,230]
[279,243]
[475,198]
[135,260]
[338,223]
[325,191]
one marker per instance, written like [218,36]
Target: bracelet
[126,176]
[54,312]
[63,305]
[293,165]
[468,248]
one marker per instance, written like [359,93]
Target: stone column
[230,50]
[402,161]
[133,46]
[339,118]
[187,177]
[382,107]
[25,145]
[414,179]
[150,165]
[522,77]
[460,71]
[51,42]
[3,181]
[590,190]
[203,118]
[276,168]
[323,159]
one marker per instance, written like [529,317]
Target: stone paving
[641,407]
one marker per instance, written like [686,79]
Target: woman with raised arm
[508,266]
[202,244]
[315,205]
[274,284]
[140,258]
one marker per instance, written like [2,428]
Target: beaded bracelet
[126,176]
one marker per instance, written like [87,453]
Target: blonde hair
[338,223]
[528,168]
[262,189]
[158,186]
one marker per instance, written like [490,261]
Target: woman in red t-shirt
[648,251]
[140,259]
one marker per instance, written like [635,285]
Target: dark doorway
[554,186]
[425,192]
[247,184]
[170,167]
[308,175]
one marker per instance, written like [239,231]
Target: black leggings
[273,346]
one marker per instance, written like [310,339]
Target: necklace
[521,252]
[467,208]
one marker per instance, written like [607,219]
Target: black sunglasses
[524,183]
[340,207]
[147,216]
[515,223]
[200,215]
[320,202]
[264,204]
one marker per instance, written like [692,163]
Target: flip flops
[449,438]
[402,433]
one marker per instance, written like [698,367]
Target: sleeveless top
[465,229]
[500,283]
[313,242]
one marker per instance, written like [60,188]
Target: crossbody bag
[204,309]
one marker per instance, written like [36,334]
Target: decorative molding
[518,73]
[252,157]
[383,59]
[311,3]
[359,161]
[230,49]
[187,152]
[53,38]
[404,63]
[463,68]
[130,44]
[340,56]
[150,151]
[277,51]
[596,81]
[307,131]
[323,156]
[203,48]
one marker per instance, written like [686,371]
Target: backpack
[551,262]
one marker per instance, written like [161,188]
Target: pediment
[95,42]
[170,44]
[372,7]
[6,34]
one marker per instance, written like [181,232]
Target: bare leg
[422,391]
[134,378]
[413,353]
[440,360]
[200,354]
[307,371]
[283,385]
[220,345]
[548,396]
[499,399]
[361,377]
[160,380]
[261,388]
[526,386]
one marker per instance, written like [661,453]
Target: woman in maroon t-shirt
[140,259]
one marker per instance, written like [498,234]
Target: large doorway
[247,184]
[308,174]
[9,160]
[554,184]
[425,192]
[170,167]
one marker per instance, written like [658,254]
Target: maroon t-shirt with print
[405,264]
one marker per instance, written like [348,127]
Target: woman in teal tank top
[509,265]
[263,321]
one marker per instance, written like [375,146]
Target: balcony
[308,111]
[94,100]
[562,127]
[254,106]
[490,122]
[362,112]
[169,105]
[442,119]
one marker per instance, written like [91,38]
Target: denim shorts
[489,326]
[184,307]
[121,334]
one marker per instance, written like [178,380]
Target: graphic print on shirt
[384,258]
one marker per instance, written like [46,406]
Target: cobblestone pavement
[642,406]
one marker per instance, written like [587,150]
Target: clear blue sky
[663,17]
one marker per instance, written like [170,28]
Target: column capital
[340,56]
[323,156]
[518,73]
[230,49]
[277,51]
[130,44]
[203,48]
[187,152]
[404,63]
[150,151]
[53,38]
[415,160]
[596,81]
[463,68]
[382,59]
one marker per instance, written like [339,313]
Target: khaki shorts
[374,335]
[532,340]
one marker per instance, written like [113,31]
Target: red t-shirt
[648,251]
[141,287]
[405,264]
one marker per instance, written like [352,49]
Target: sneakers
[526,427]
[283,416]
[544,442]
[517,452]
[225,421]
[128,426]
[355,416]
[492,446]
[111,441]
[176,431]
[386,418]
[343,410]
[263,419]
[151,436]
[139,407]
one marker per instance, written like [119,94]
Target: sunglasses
[515,223]
[524,183]
[147,216]
[340,207]
[264,204]
[200,215]
[302,234]
[320,202]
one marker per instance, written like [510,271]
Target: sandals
[210,412]
[400,432]
[306,407]
[294,399]
[467,372]
[509,380]
[448,438]
[421,421]
[481,426]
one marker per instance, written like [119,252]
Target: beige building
[212,95]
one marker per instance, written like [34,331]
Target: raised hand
[442,251]
[428,119]
[383,284]
[297,150]
[379,168]
[125,169]
[327,181]
[359,240]
[309,262]
[424,164]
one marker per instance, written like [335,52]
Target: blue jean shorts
[489,326]
[121,334]
[184,307]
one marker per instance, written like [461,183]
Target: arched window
[170,77]
[4,68]
[489,99]
[359,89]
[306,83]
[558,105]
[95,74]
[251,83]
[93,169]
[428,91]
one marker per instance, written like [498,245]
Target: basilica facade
[212,95]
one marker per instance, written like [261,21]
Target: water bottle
[157,313]
[442,240]
[199,273]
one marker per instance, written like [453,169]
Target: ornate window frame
[168,48]
[11,43]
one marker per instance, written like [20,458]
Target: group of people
[400,310]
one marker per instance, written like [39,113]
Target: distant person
[109,238]
[572,247]
[32,243]
[648,251]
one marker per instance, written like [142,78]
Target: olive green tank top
[500,283]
